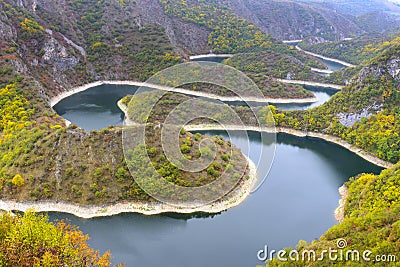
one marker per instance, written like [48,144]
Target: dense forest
[32,240]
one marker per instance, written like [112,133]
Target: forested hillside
[358,7]
[95,45]
[367,114]
[92,45]
[356,51]
[294,20]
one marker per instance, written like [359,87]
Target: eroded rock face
[60,55]
[394,68]
[390,68]
[57,55]
[6,31]
[316,40]
[348,119]
[189,37]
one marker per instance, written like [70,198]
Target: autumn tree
[31,240]
[18,180]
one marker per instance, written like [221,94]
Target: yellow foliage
[18,180]
[31,26]
[13,112]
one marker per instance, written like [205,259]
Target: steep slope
[356,51]
[50,46]
[292,20]
[364,113]
[68,43]
[358,7]
[64,44]
[44,53]
[65,14]
[378,21]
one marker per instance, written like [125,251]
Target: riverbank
[322,71]
[344,63]
[329,138]
[53,101]
[233,199]
[210,56]
[324,85]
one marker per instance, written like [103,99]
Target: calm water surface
[332,65]
[212,59]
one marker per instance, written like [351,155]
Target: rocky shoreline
[300,82]
[53,101]
[124,109]
[344,63]
[339,211]
[322,71]
[211,55]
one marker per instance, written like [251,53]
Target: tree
[18,180]
[31,240]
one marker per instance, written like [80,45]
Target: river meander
[297,200]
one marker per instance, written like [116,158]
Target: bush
[98,172]
[121,174]
[18,180]
[211,171]
[185,148]
[152,151]
[225,157]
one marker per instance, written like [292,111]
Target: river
[330,64]
[211,59]
[296,201]
[96,107]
